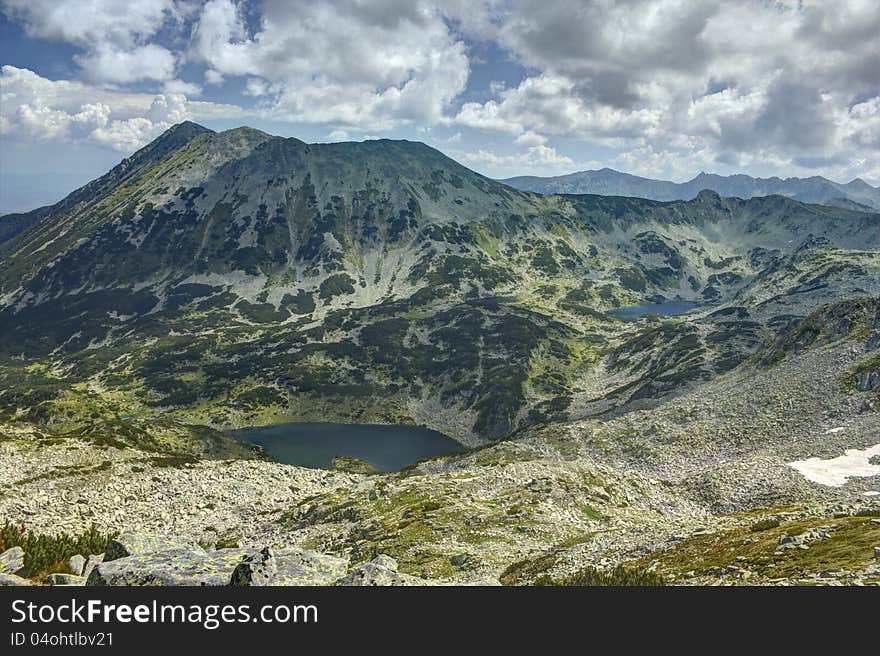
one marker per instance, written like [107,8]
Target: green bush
[764,525]
[592,576]
[45,554]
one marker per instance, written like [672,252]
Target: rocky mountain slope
[236,278]
[856,194]
[219,280]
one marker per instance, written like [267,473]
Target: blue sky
[660,88]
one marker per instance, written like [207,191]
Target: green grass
[849,547]
[592,576]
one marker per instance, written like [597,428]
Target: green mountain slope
[236,278]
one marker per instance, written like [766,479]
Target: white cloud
[549,105]
[213,77]
[114,34]
[755,83]
[109,64]
[345,63]
[540,159]
[530,138]
[338,135]
[784,87]
[179,86]
[34,107]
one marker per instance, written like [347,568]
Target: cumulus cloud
[671,87]
[351,64]
[538,159]
[113,34]
[692,82]
[34,107]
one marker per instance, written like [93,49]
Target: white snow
[834,472]
[834,430]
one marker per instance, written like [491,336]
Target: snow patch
[835,472]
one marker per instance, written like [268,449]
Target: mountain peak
[184,130]
[858,183]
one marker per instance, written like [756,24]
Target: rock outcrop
[162,560]
[11,560]
[288,567]
[381,571]
[134,544]
[174,566]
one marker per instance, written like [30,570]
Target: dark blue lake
[667,309]
[387,448]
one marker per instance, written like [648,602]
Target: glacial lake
[386,448]
[667,309]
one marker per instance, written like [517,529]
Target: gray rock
[177,566]
[487,581]
[459,560]
[91,563]
[381,571]
[876,552]
[868,381]
[12,580]
[64,579]
[133,544]
[287,567]
[11,560]
[77,565]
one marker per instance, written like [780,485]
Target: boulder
[381,571]
[462,561]
[287,567]
[868,381]
[91,563]
[11,560]
[176,566]
[64,579]
[12,580]
[131,543]
[77,565]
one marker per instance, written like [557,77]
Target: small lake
[667,309]
[386,448]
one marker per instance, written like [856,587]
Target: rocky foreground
[140,559]
[518,513]
[765,476]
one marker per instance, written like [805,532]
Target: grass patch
[764,525]
[47,554]
[849,547]
[592,576]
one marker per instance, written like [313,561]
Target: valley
[629,380]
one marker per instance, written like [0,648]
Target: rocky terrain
[221,280]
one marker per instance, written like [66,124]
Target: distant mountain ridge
[856,194]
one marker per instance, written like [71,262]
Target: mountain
[219,280]
[857,194]
[227,278]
